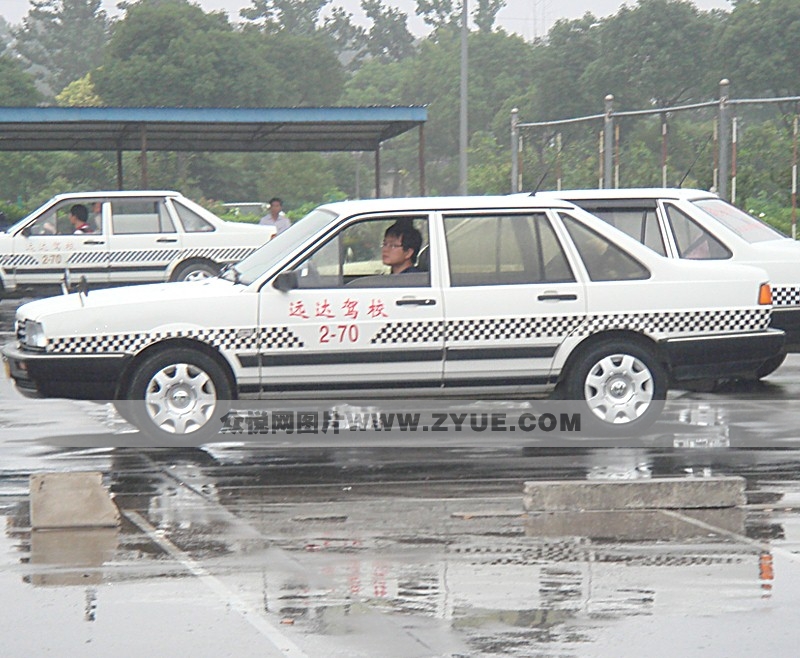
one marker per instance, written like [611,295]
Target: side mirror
[26,232]
[286,281]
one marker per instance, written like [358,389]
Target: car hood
[144,297]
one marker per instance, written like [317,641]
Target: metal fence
[725,133]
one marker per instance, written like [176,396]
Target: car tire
[178,397]
[620,386]
[195,271]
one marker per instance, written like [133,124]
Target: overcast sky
[530,18]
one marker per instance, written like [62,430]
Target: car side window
[691,239]
[502,249]
[640,223]
[353,258]
[56,221]
[191,221]
[604,260]
[134,216]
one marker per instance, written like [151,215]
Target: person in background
[276,217]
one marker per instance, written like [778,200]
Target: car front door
[49,251]
[143,241]
[512,298]
[348,326]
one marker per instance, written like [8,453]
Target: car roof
[631,193]
[446,203]
[117,193]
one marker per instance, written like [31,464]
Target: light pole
[462,132]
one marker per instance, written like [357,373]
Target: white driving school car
[513,297]
[128,237]
[698,225]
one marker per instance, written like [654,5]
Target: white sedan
[506,297]
[120,238]
[698,225]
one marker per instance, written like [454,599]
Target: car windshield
[270,254]
[744,225]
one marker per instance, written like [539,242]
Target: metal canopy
[250,130]
[203,129]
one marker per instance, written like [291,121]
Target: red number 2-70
[340,333]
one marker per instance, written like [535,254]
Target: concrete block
[633,525]
[71,500]
[652,493]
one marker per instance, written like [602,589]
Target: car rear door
[512,298]
[143,240]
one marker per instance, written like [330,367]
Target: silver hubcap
[619,388]
[180,398]
[197,275]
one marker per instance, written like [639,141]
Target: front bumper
[721,356]
[78,377]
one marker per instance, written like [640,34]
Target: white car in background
[513,297]
[699,225]
[133,237]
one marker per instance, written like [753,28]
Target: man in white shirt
[276,217]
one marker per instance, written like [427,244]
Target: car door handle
[167,240]
[416,302]
[93,242]
[556,297]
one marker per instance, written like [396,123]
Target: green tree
[62,40]
[439,13]
[657,53]
[172,53]
[80,93]
[298,17]
[485,13]
[17,88]
[759,47]
[389,38]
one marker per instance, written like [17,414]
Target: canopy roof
[204,129]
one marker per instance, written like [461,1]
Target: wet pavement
[413,549]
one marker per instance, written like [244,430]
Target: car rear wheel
[621,387]
[179,397]
[195,271]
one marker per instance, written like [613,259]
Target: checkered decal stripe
[786,296]
[241,339]
[232,254]
[218,254]
[683,322]
[538,327]
[408,332]
[10,260]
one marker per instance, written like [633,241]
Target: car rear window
[192,222]
[743,224]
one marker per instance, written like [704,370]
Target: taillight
[765,294]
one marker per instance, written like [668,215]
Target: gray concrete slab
[645,493]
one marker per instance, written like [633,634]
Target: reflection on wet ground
[408,552]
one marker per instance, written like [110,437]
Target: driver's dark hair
[409,236]
[80,211]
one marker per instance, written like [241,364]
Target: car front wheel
[195,271]
[179,397]
[621,387]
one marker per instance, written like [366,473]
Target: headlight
[34,334]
